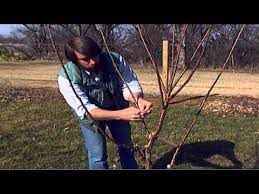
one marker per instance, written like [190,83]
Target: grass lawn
[42,134]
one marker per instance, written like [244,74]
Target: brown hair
[85,45]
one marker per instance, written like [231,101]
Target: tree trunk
[179,34]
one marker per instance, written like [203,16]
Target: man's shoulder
[72,70]
[106,58]
[115,55]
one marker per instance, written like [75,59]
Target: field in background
[38,131]
[43,74]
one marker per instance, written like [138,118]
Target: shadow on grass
[197,154]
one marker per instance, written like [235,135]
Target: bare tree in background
[31,42]
[168,92]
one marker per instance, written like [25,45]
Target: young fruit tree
[168,85]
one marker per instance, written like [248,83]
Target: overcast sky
[5,29]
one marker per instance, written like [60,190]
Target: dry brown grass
[43,74]
[30,74]
[229,84]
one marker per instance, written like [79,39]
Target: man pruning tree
[105,96]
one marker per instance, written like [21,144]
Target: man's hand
[130,114]
[145,106]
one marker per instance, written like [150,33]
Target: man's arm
[133,83]
[136,95]
[129,114]
[131,79]
[72,100]
[144,105]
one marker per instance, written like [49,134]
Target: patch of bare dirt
[218,104]
[234,105]
[223,105]
[12,94]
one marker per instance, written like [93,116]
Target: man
[105,96]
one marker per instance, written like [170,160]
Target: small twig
[80,100]
[193,71]
[205,99]
[123,80]
[85,31]
[153,137]
[172,75]
[172,85]
[177,80]
[173,64]
[201,42]
[159,79]
[190,98]
[67,28]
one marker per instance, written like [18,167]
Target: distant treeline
[30,42]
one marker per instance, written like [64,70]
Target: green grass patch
[45,135]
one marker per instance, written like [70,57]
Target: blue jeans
[95,144]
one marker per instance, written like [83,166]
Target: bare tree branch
[194,69]
[87,112]
[123,80]
[159,79]
[205,99]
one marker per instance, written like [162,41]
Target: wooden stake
[165,63]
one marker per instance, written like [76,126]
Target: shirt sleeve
[67,91]
[130,78]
